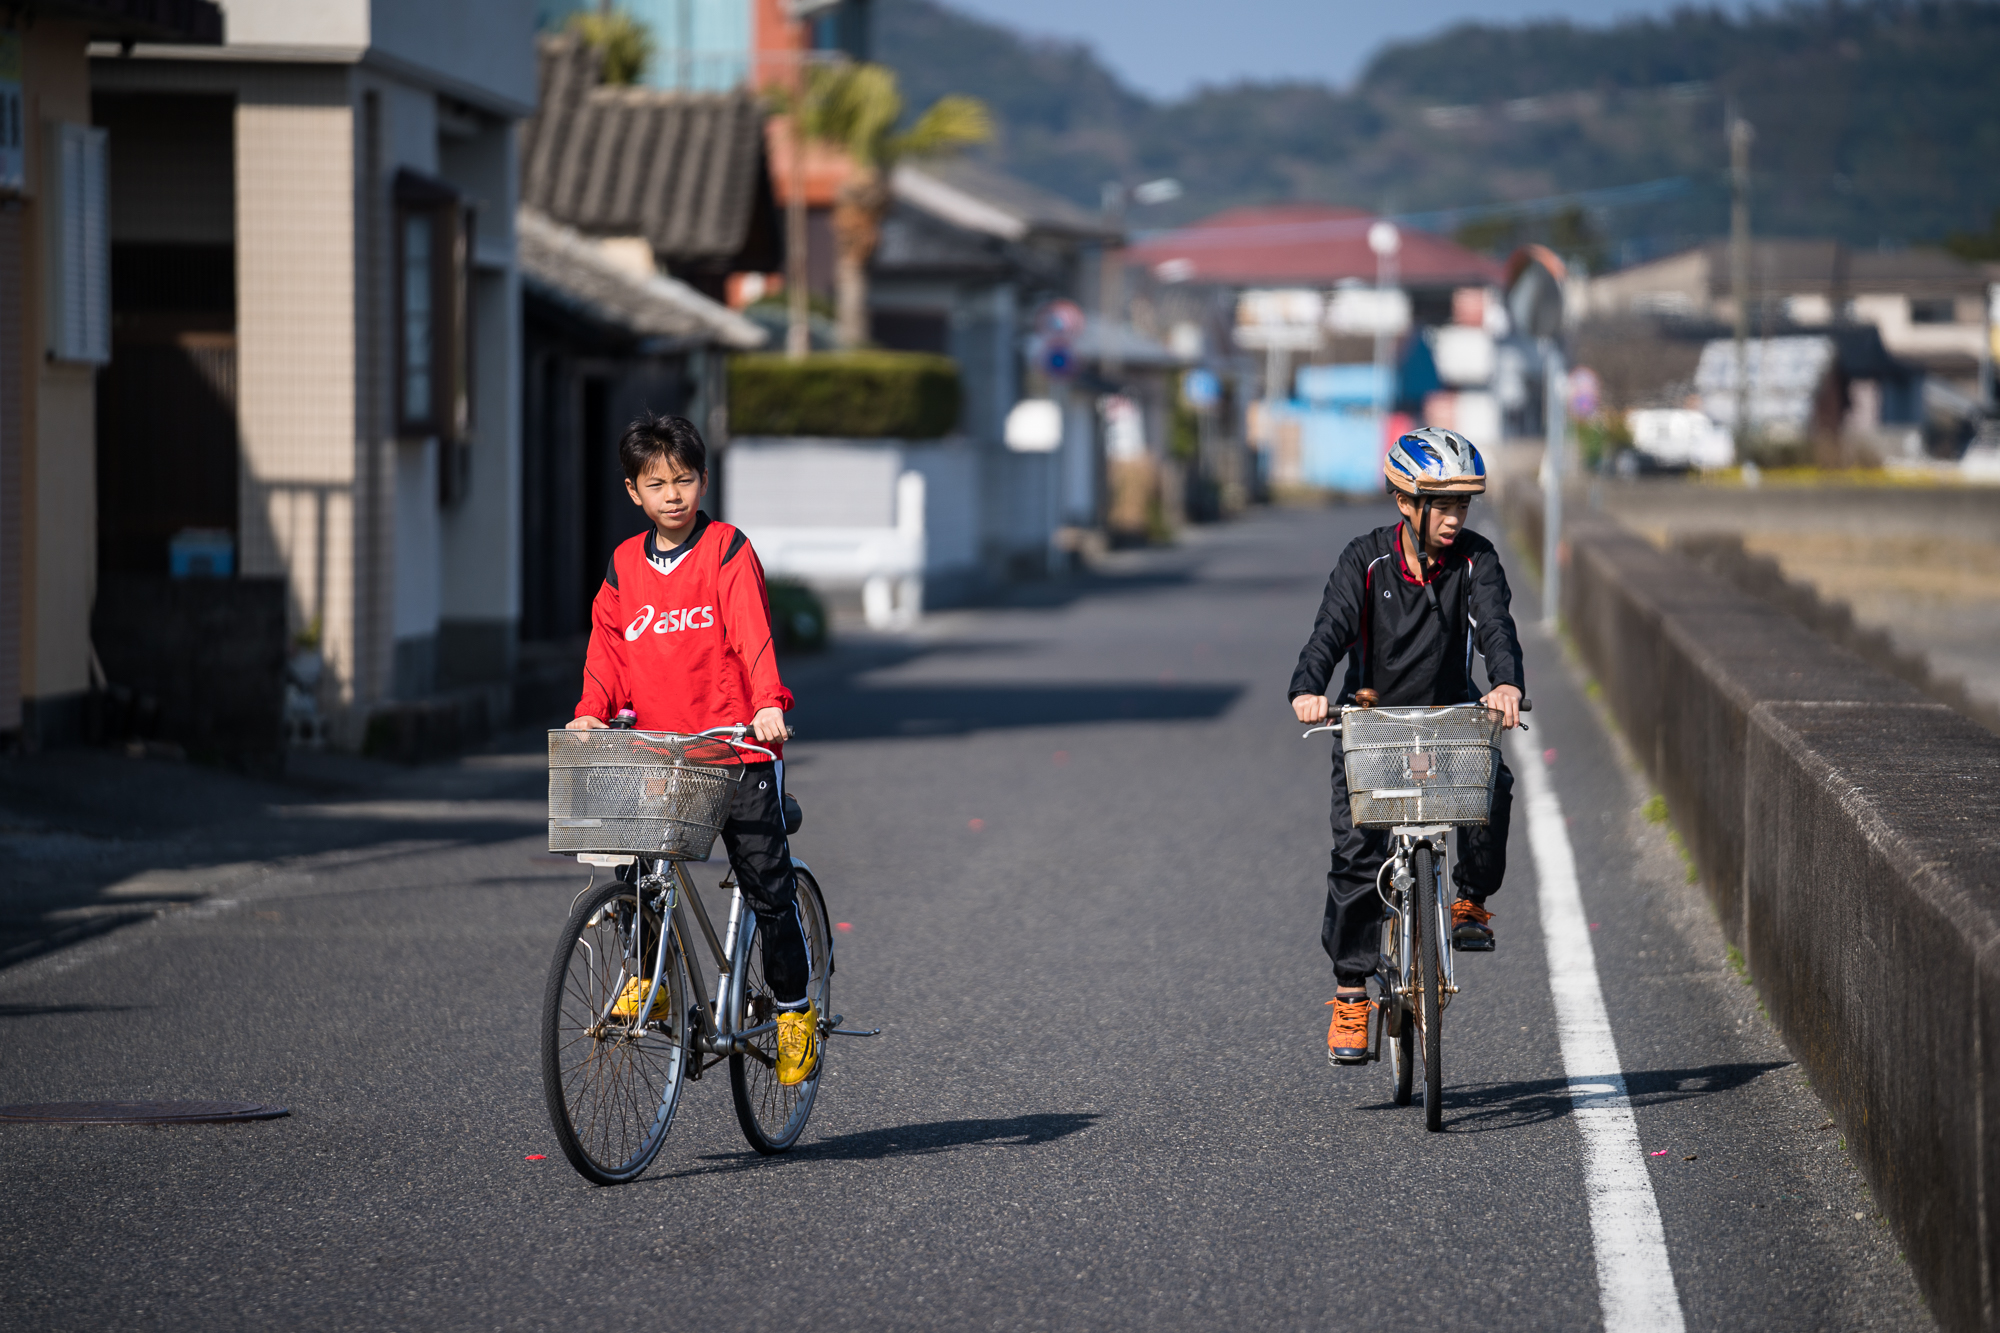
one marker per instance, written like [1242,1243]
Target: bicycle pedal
[1481,946]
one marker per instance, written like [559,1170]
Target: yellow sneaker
[798,1045]
[633,998]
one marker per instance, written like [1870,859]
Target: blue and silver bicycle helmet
[1433,461]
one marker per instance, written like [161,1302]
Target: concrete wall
[833,513]
[1848,830]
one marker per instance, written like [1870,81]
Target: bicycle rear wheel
[771,1114]
[611,1086]
[1430,985]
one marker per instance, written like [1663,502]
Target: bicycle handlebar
[735,734]
[1527,706]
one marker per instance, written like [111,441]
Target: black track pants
[754,837]
[1352,931]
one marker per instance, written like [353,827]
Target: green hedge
[849,395]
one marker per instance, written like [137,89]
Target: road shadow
[924,1140]
[1482,1108]
[889,712]
[44,1010]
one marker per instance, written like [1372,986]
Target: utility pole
[798,314]
[1555,410]
[1385,241]
[1740,136]
[1111,281]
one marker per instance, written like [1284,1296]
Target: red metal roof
[1306,244]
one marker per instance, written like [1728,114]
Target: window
[1933,310]
[79,250]
[13,162]
[433,328]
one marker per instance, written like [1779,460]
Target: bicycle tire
[1398,1031]
[1430,984]
[612,1093]
[772,1115]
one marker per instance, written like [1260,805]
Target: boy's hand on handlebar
[585,724]
[1310,708]
[768,725]
[1506,701]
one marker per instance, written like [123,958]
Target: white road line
[1635,1281]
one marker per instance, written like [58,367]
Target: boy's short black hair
[651,437]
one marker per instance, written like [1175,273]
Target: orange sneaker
[1470,932]
[1347,1036]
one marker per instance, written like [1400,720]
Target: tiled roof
[561,265]
[1304,244]
[972,195]
[682,170]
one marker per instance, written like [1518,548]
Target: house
[312,235]
[681,177]
[605,338]
[970,261]
[1193,282]
[55,336]
[719,46]
[1930,307]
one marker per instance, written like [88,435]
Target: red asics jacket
[687,647]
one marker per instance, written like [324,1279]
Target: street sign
[1278,337]
[1200,390]
[1370,311]
[1295,307]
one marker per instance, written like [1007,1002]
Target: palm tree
[855,107]
[623,43]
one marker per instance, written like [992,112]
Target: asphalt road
[1080,850]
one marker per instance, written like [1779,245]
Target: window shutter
[79,246]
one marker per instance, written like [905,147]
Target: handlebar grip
[1527,705]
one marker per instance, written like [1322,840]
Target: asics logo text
[688,617]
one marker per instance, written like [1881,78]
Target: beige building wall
[59,464]
[295,282]
[330,499]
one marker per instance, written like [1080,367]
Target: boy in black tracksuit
[1412,636]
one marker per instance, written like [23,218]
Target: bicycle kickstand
[834,1029]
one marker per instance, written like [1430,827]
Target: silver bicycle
[1418,773]
[627,1018]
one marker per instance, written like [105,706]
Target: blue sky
[1168,47]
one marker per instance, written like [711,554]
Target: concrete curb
[1848,830]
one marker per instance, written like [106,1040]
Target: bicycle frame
[673,893]
[1401,873]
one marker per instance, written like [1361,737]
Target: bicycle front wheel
[612,1082]
[1398,1029]
[773,1115]
[1430,987]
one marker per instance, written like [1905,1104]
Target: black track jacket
[1408,647]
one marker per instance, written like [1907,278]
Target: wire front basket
[1420,765]
[639,793]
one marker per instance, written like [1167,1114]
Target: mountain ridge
[1876,120]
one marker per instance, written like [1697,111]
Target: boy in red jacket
[681,635]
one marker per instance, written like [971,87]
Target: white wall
[835,493]
[811,484]
[295,22]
